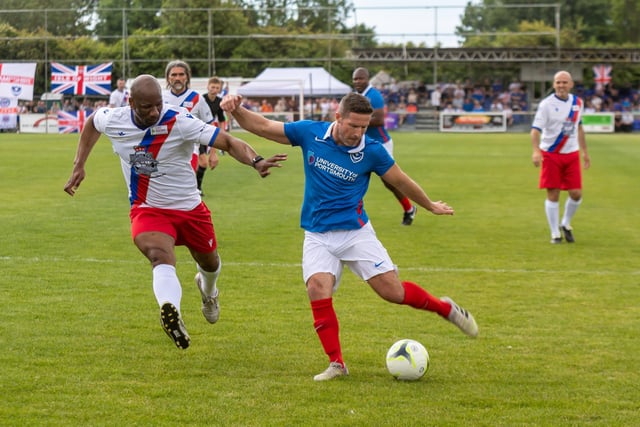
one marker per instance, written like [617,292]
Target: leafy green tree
[138,15]
[313,15]
[64,17]
[592,22]
[626,20]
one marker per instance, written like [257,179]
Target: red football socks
[418,298]
[327,328]
[406,204]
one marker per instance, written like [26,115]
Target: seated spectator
[468,104]
[477,106]
[449,108]
[626,120]
[458,100]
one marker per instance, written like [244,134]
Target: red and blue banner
[16,80]
[602,74]
[81,79]
[71,121]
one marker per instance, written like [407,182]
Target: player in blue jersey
[378,131]
[338,161]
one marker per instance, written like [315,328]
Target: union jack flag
[81,79]
[602,74]
[71,121]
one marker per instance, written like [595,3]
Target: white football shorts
[360,250]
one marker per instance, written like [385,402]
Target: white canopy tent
[302,82]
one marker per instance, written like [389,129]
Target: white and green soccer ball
[407,360]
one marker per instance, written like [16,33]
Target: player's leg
[196,232]
[572,180]
[158,247]
[321,272]
[208,266]
[551,180]
[390,288]
[409,209]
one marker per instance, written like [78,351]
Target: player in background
[178,92]
[378,131]
[154,141]
[338,162]
[212,98]
[558,137]
[120,96]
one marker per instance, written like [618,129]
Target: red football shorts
[193,229]
[561,171]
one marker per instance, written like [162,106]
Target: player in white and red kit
[557,137]
[154,141]
[178,92]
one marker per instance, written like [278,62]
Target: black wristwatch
[256,159]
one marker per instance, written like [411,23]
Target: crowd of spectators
[69,104]
[409,98]
[494,96]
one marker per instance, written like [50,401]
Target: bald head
[146,100]
[562,84]
[145,84]
[360,79]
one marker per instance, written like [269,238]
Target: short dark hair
[355,103]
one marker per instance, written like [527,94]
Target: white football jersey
[156,160]
[192,101]
[558,120]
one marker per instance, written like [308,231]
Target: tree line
[242,37]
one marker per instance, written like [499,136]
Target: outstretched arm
[88,139]
[254,122]
[244,153]
[403,182]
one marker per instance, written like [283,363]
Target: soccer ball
[407,360]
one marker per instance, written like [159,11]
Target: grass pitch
[559,343]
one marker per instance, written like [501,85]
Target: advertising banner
[473,122]
[598,122]
[38,123]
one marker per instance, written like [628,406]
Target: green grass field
[559,325]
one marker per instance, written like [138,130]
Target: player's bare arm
[377,117]
[88,139]
[582,140]
[244,153]
[403,182]
[536,157]
[254,122]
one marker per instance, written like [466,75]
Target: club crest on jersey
[357,157]
[159,130]
[311,157]
[143,162]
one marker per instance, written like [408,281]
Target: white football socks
[209,279]
[166,285]
[570,208]
[553,217]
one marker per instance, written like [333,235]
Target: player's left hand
[441,208]
[263,166]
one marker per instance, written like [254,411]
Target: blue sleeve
[294,131]
[376,99]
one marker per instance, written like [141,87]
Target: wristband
[256,159]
